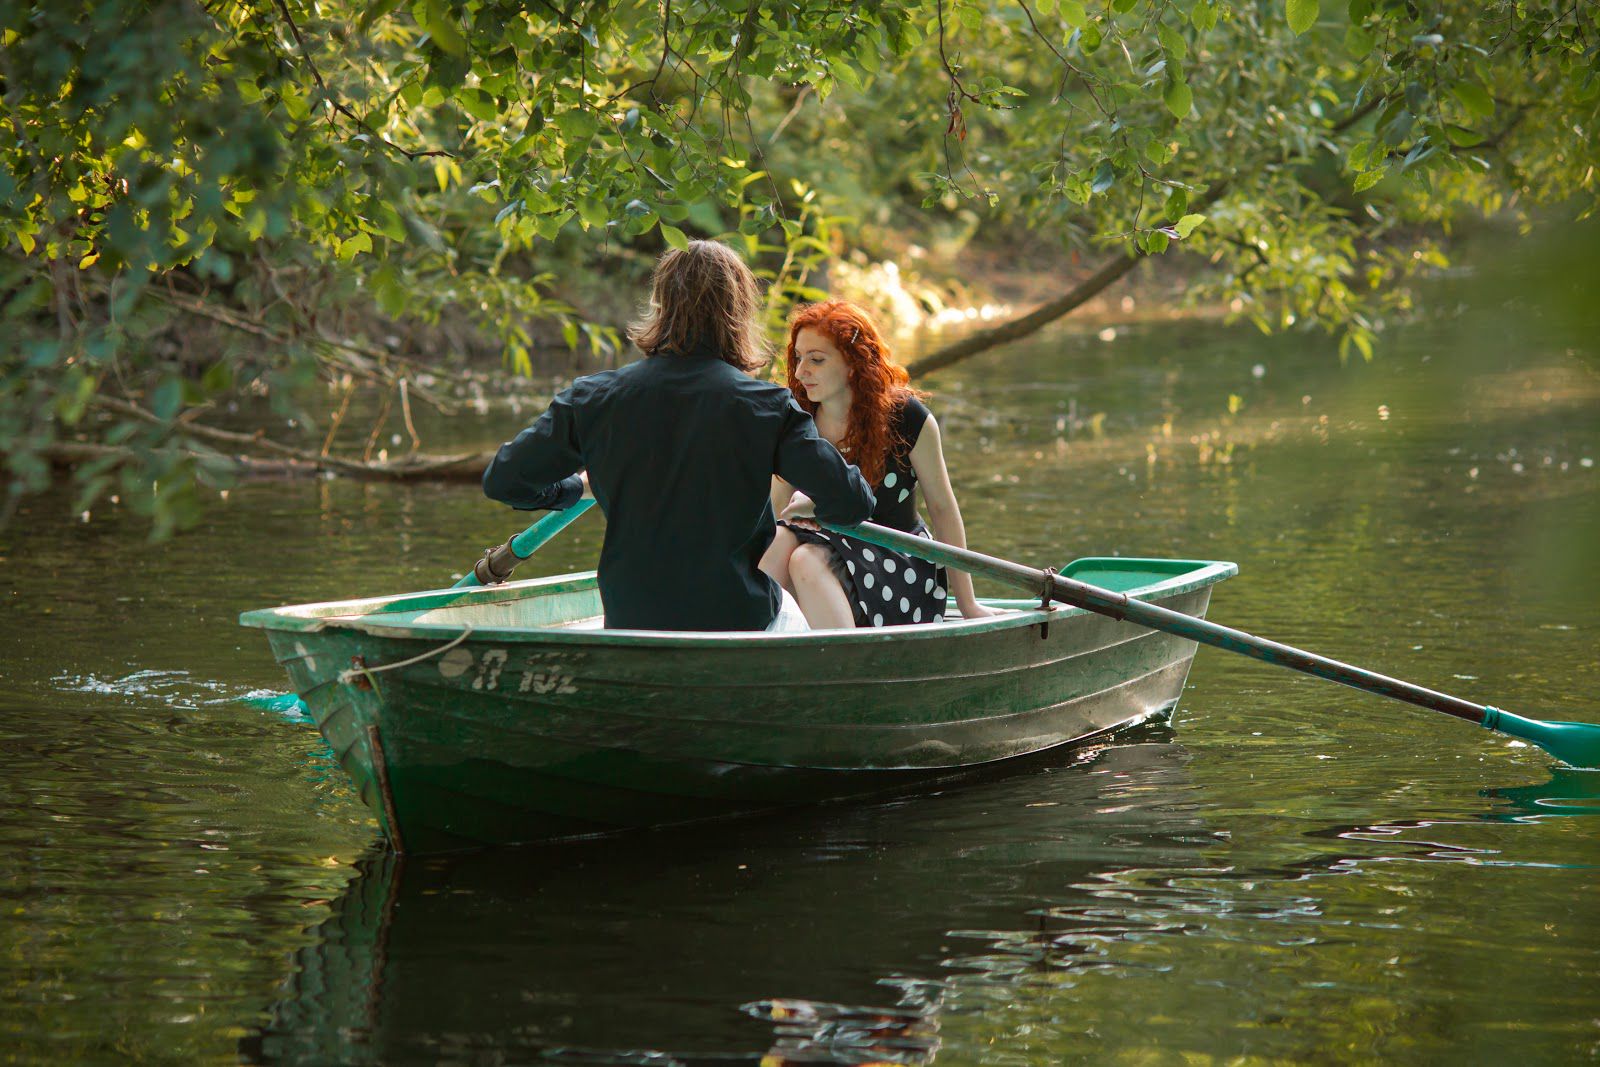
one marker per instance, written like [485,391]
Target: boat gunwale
[361,615]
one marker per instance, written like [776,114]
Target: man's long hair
[703,299]
[878,385]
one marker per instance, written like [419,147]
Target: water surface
[1290,872]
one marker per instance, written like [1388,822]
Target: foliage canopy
[300,171]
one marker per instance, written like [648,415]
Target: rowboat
[503,714]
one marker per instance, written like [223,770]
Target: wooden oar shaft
[1122,607]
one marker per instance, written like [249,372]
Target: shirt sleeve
[816,468]
[538,468]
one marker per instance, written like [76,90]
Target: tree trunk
[983,340]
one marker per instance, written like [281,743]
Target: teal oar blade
[523,544]
[1574,743]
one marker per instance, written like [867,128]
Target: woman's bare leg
[775,564]
[817,588]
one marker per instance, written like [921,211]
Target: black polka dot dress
[885,587]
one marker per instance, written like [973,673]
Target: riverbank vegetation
[219,215]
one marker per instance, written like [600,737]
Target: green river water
[1290,872]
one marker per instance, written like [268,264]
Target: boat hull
[501,736]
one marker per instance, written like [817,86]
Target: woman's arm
[927,459]
[782,491]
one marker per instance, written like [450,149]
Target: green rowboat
[485,716]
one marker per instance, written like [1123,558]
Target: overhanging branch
[1112,269]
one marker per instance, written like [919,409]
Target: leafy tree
[296,174]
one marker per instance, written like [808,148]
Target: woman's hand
[975,610]
[801,512]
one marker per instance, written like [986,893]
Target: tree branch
[295,460]
[1112,269]
[338,105]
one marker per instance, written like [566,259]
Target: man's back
[680,451]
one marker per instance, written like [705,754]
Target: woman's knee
[783,543]
[811,563]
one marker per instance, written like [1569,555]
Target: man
[680,449]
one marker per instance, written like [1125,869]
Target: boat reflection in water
[816,937]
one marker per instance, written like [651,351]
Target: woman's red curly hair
[878,385]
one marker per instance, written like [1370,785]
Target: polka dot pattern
[884,587]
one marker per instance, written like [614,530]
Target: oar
[534,537]
[1574,743]
[523,545]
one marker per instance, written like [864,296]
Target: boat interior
[572,601]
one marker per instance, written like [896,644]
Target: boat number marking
[489,668]
[541,682]
[490,665]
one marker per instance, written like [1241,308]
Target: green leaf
[1355,337]
[1172,41]
[218,377]
[375,11]
[1303,14]
[1154,242]
[388,221]
[549,226]
[674,236]
[578,124]
[167,398]
[1368,178]
[1179,98]
[509,209]
[1187,224]
[478,104]
[1073,14]
[433,16]
[73,398]
[1475,98]
[592,212]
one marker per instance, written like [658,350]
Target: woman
[840,371]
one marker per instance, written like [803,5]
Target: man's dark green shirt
[680,451]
